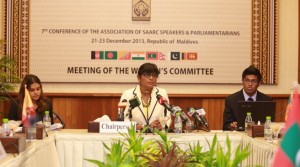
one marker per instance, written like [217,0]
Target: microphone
[172,109]
[201,113]
[121,107]
[192,113]
[134,102]
[183,116]
[165,103]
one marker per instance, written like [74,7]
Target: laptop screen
[259,110]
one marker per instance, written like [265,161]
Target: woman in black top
[40,103]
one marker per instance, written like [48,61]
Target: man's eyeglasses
[148,75]
[254,81]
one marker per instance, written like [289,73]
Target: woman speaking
[143,107]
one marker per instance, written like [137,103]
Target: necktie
[250,99]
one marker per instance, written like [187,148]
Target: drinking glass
[30,133]
[189,127]
[163,121]
[276,127]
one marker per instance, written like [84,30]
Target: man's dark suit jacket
[231,108]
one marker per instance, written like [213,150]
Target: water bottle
[178,123]
[267,129]
[47,120]
[5,126]
[248,121]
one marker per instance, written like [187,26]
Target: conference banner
[193,41]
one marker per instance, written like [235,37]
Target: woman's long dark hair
[28,81]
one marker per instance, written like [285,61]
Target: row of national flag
[124,55]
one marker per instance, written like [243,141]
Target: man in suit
[251,79]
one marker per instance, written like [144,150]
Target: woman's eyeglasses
[148,75]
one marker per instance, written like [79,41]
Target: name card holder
[109,127]
[258,131]
[255,130]
[39,132]
[15,144]
[93,127]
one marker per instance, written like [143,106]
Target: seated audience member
[149,110]
[251,79]
[40,103]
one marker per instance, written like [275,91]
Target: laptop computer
[259,110]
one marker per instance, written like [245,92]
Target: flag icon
[138,55]
[288,154]
[175,55]
[111,55]
[124,55]
[28,112]
[161,56]
[97,55]
[151,56]
[188,56]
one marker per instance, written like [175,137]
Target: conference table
[70,147]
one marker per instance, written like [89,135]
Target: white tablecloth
[69,148]
[261,152]
[75,145]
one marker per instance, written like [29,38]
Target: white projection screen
[193,41]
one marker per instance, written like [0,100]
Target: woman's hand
[139,126]
[155,125]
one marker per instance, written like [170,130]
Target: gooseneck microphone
[9,96]
[134,102]
[121,107]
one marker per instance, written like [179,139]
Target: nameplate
[115,127]
[15,144]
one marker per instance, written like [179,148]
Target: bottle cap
[248,113]
[46,112]
[5,120]
[268,117]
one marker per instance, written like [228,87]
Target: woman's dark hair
[251,70]
[28,81]
[148,68]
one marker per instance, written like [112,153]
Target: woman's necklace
[146,104]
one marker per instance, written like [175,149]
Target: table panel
[38,153]
[69,148]
[75,145]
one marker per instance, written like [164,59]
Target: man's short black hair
[251,70]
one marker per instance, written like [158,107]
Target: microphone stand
[165,115]
[197,125]
[120,114]
[130,112]
[201,127]
[205,129]
[9,96]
